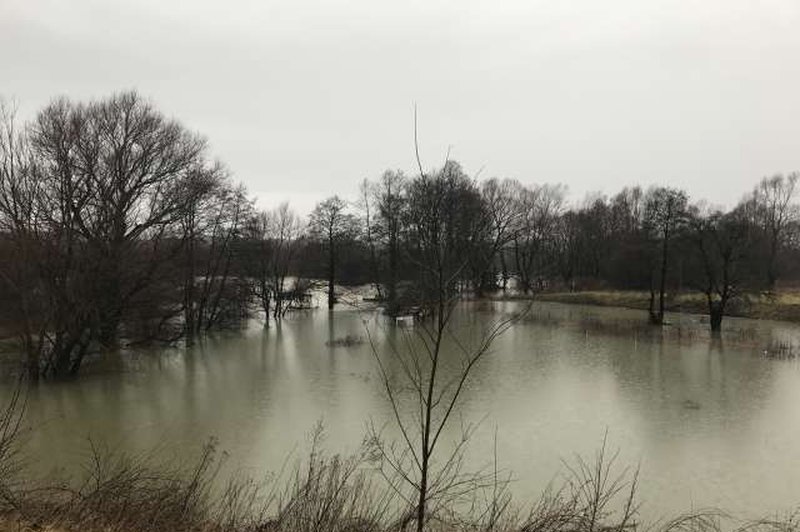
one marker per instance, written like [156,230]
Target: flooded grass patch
[350,340]
[681,329]
[783,306]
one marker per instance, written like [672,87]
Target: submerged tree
[98,201]
[721,242]
[276,238]
[332,224]
[214,293]
[369,233]
[665,211]
[772,209]
[391,200]
[450,230]
[23,265]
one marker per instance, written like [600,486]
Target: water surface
[710,423]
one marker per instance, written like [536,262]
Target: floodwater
[710,423]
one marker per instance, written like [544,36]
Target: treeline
[655,240]
[116,226]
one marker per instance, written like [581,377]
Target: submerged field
[706,419]
[784,306]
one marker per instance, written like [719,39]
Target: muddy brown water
[711,423]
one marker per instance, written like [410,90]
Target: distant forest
[118,228]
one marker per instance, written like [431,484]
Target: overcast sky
[304,99]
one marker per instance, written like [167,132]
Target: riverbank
[784,306]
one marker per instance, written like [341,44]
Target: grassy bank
[784,306]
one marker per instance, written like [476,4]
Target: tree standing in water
[332,224]
[447,240]
[721,243]
[665,211]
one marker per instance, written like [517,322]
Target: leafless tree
[20,232]
[539,208]
[332,224]
[567,248]
[366,206]
[773,208]
[722,241]
[49,276]
[97,201]
[212,228]
[446,233]
[627,210]
[665,212]
[277,235]
[499,196]
[390,199]
[133,167]
[288,232]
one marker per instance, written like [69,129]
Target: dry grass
[120,493]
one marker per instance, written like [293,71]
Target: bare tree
[721,241]
[665,211]
[134,166]
[20,231]
[369,233]
[538,210]
[332,224]
[593,221]
[288,231]
[773,210]
[627,210]
[277,235]
[37,205]
[103,188]
[214,295]
[499,197]
[567,248]
[391,201]
[446,234]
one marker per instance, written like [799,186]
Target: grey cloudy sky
[303,99]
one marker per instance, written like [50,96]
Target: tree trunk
[110,295]
[504,268]
[266,302]
[62,357]
[75,365]
[392,289]
[32,361]
[331,275]
[521,273]
[423,494]
[376,274]
[651,309]
[663,284]
[189,288]
[772,275]
[109,329]
[716,311]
